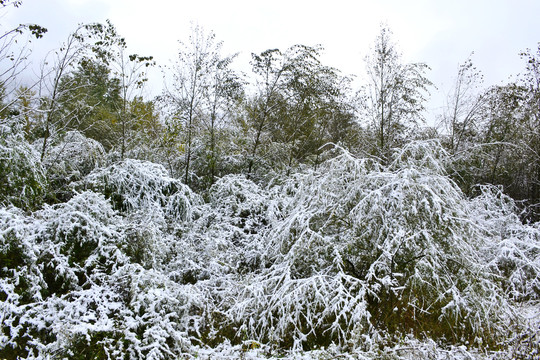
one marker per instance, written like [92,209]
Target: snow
[352,260]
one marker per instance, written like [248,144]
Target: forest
[282,213]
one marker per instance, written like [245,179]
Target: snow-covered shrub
[146,242]
[514,252]
[60,252]
[68,289]
[80,241]
[22,177]
[242,212]
[134,185]
[227,237]
[72,158]
[163,318]
[152,203]
[227,243]
[135,313]
[366,248]
[20,278]
[84,323]
[376,260]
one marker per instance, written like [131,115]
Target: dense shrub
[355,256]
[134,185]
[70,159]
[23,182]
[365,248]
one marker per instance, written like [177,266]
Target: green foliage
[91,97]
[300,106]
[392,104]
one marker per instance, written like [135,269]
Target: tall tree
[109,49]
[531,83]
[393,101]
[202,85]
[225,88]
[299,105]
[51,87]
[269,68]
[465,101]
[90,101]
[316,107]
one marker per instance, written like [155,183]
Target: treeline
[211,120]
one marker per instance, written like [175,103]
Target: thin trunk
[212,148]
[256,144]
[188,150]
[381,95]
[190,124]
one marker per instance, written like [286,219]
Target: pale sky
[439,33]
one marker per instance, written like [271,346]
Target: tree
[110,50]
[494,135]
[316,108]
[89,102]
[202,88]
[225,88]
[393,101]
[531,83]
[148,129]
[13,58]
[269,66]
[94,95]
[464,104]
[52,87]
[299,106]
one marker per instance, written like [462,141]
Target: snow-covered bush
[135,313]
[80,241]
[354,256]
[68,288]
[227,237]
[163,318]
[22,177]
[61,251]
[366,248]
[70,159]
[514,252]
[134,185]
[20,278]
[241,213]
[152,203]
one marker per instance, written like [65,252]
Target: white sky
[441,33]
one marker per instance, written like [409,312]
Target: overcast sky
[441,33]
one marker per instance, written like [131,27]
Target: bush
[134,185]
[365,248]
[70,159]
[22,177]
